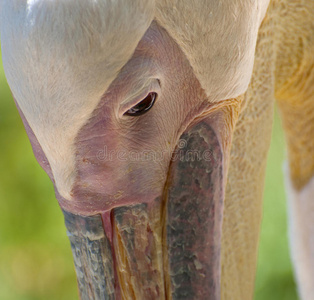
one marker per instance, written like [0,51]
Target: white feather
[301,232]
[59,58]
[61,55]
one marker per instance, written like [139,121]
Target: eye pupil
[144,106]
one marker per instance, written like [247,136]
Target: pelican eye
[142,107]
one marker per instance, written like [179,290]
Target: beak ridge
[92,256]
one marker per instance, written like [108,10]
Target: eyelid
[152,85]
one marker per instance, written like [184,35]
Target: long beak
[166,248]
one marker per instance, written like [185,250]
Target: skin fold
[283,71]
[294,90]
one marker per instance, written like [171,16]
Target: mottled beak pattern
[165,249]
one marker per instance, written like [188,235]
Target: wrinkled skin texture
[118,179]
[294,90]
[283,71]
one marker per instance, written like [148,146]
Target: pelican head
[130,108]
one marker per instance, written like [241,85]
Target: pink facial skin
[111,166]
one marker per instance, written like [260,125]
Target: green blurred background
[35,256]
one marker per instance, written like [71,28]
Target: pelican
[152,119]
